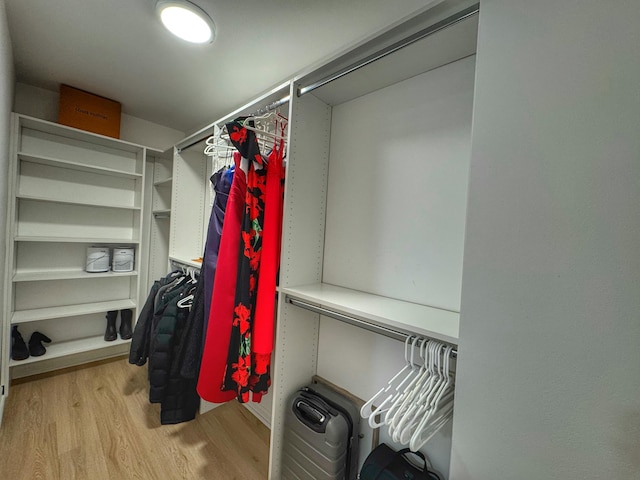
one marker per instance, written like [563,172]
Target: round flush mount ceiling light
[186,20]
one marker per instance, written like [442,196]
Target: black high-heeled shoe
[19,350]
[35,344]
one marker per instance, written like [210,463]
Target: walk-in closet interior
[457,243]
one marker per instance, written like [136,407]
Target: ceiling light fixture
[186,20]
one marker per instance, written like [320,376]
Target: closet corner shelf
[83,167]
[162,213]
[182,261]
[47,275]
[163,183]
[93,240]
[406,317]
[33,315]
[75,202]
[71,347]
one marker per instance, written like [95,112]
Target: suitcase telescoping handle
[310,415]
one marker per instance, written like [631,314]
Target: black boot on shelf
[19,350]
[126,317]
[110,333]
[36,349]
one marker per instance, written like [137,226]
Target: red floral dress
[246,372]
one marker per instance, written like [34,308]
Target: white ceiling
[119,49]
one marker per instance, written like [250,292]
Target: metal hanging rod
[271,106]
[436,27]
[356,322]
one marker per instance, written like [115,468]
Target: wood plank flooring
[95,422]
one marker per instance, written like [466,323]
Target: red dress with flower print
[244,371]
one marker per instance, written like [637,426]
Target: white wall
[41,103]
[548,379]
[6,100]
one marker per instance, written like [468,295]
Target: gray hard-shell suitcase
[321,436]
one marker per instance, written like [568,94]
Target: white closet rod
[426,32]
[356,322]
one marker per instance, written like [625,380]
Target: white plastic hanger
[422,408]
[409,403]
[403,396]
[386,403]
[398,418]
[260,131]
[427,415]
[366,410]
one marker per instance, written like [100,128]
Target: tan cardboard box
[89,112]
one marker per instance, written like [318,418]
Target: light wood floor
[96,423]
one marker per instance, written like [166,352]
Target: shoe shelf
[70,190]
[36,314]
[70,347]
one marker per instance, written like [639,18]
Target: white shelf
[24,316]
[184,261]
[95,240]
[167,182]
[387,312]
[56,162]
[46,275]
[71,347]
[77,134]
[71,202]
[162,213]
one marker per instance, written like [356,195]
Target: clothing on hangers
[254,213]
[156,338]
[214,355]
[266,296]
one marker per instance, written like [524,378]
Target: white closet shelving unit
[375,206]
[159,172]
[69,190]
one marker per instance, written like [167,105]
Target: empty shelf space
[406,317]
[23,316]
[56,162]
[77,202]
[70,347]
[46,275]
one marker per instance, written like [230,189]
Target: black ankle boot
[36,349]
[125,324]
[19,350]
[110,333]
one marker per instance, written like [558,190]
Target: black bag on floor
[384,463]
